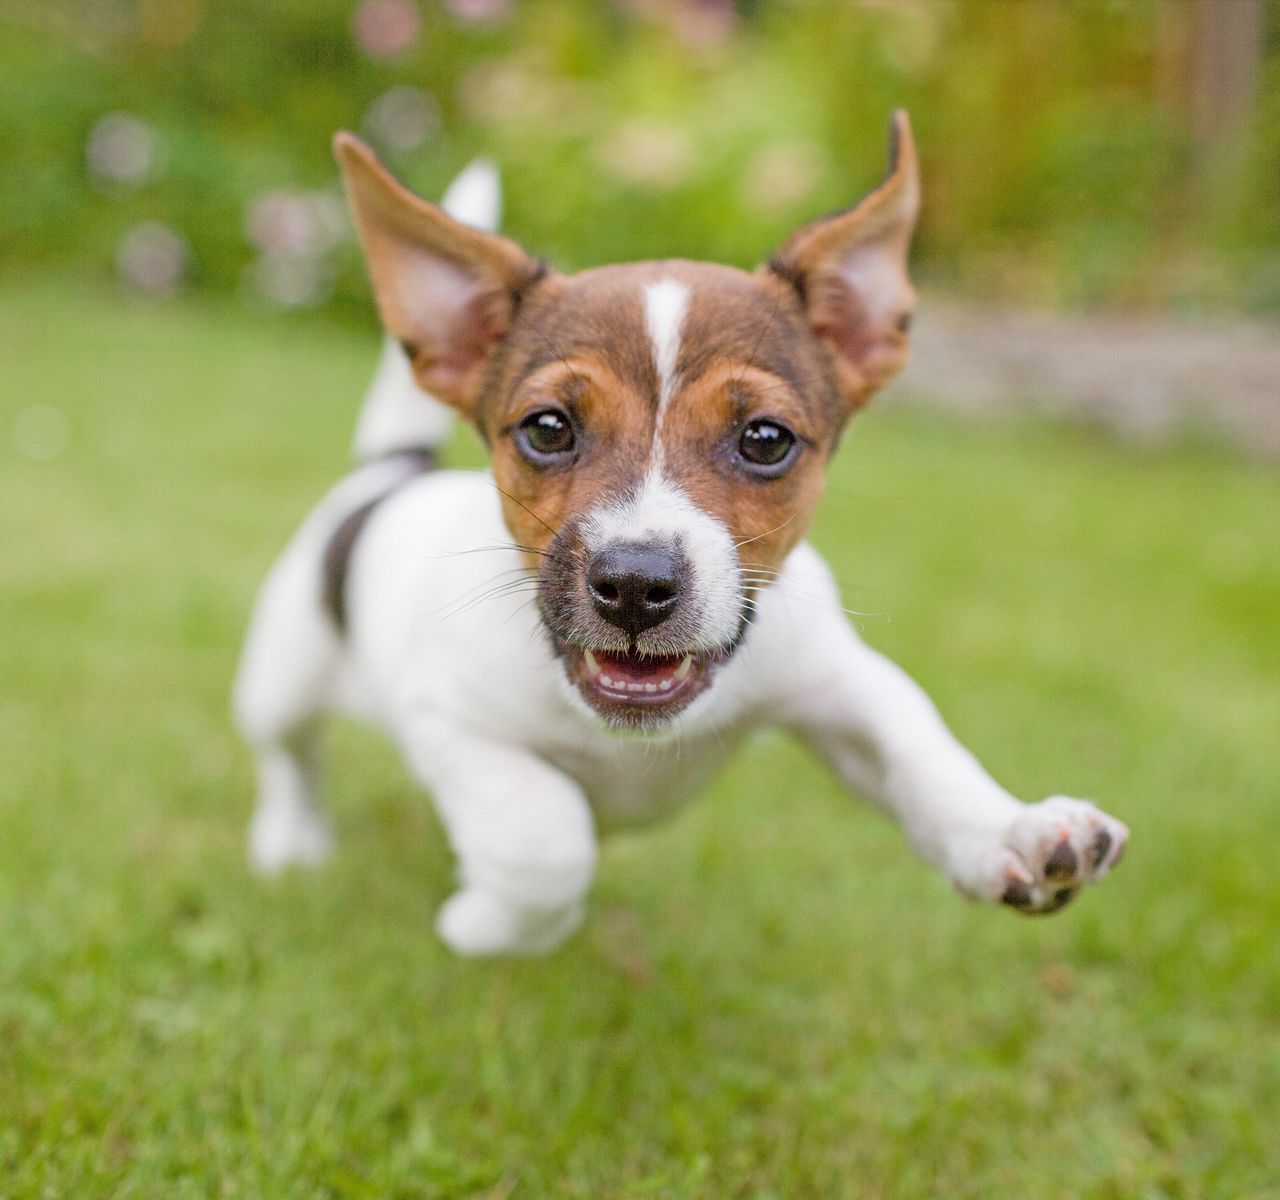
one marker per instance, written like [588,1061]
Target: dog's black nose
[635,587]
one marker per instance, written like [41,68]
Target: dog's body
[658,432]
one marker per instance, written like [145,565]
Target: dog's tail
[397,415]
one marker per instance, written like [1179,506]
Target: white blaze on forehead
[661,512]
[665,304]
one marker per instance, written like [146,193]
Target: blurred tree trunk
[1226,49]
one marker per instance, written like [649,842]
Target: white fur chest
[445,635]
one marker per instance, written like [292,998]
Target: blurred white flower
[699,25]
[153,258]
[291,280]
[289,222]
[329,211]
[121,150]
[497,91]
[479,11]
[781,176]
[280,222]
[640,152]
[402,117]
[385,28]
[520,91]
[40,432]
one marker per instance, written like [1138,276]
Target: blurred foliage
[1060,152]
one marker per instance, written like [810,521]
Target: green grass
[771,998]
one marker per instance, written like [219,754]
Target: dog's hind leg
[285,682]
[288,828]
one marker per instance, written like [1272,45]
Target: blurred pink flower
[479,11]
[153,258]
[402,117]
[385,28]
[121,150]
[704,24]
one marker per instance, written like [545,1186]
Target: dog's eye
[544,435]
[765,443]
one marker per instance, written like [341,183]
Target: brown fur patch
[449,293]
[802,343]
[582,345]
[849,271]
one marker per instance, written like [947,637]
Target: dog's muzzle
[636,587]
[630,628]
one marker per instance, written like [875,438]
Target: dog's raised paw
[1052,850]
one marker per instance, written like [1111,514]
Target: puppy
[575,639]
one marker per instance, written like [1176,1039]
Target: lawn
[771,998]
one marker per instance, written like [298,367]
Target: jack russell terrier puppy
[576,638]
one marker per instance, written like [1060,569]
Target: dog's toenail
[1062,863]
[1060,899]
[1101,844]
[1017,893]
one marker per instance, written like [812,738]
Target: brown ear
[850,271]
[447,292]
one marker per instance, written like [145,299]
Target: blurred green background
[771,998]
[1096,151]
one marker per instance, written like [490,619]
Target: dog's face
[658,430]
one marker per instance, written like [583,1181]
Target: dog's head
[658,430]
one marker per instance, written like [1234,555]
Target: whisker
[767,532]
[521,572]
[526,508]
[788,588]
[495,547]
[465,605]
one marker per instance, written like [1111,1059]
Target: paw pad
[1053,850]
[1061,864]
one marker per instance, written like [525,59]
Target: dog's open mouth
[629,687]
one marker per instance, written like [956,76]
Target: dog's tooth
[650,687]
[606,680]
[593,667]
[664,685]
[683,669]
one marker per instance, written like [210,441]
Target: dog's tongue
[636,668]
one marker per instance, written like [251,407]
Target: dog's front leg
[885,738]
[523,834]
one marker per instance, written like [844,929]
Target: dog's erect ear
[850,271]
[446,291]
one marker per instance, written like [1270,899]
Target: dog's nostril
[635,587]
